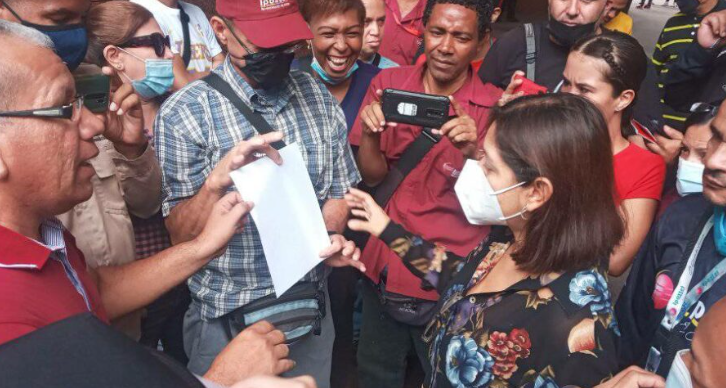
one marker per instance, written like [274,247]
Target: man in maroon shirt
[46,140]
[425,200]
[404,30]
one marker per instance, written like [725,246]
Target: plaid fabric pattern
[150,235]
[197,126]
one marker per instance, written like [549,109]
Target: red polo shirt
[425,203]
[35,290]
[402,35]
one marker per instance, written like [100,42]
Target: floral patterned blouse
[538,333]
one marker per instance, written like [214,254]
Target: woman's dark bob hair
[563,138]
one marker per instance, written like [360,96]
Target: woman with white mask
[689,178]
[531,303]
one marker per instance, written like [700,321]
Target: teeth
[337,61]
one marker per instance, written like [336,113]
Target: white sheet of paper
[286,213]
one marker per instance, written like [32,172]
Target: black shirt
[653,277]
[539,332]
[507,55]
[699,75]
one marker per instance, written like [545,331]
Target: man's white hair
[30,35]
[10,77]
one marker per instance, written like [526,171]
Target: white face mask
[477,197]
[679,376]
[689,177]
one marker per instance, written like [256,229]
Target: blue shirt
[359,83]
[197,126]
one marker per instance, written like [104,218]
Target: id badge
[654,357]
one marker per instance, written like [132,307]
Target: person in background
[127,178]
[46,144]
[338,34]
[404,30]
[373,33]
[337,27]
[569,21]
[620,64]
[678,34]
[205,52]
[676,277]
[424,201]
[199,133]
[510,9]
[615,18]
[530,303]
[125,37]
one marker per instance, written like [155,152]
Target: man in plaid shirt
[196,135]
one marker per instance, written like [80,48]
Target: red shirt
[35,290]
[425,203]
[402,35]
[638,173]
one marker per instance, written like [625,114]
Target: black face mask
[267,69]
[568,35]
[688,6]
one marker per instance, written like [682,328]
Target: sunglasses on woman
[156,40]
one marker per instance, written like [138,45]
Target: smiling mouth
[338,64]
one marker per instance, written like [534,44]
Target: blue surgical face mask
[719,230]
[327,78]
[158,80]
[69,40]
[689,177]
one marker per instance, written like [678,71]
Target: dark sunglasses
[156,40]
[702,107]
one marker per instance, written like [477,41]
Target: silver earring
[524,211]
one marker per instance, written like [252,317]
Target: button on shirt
[197,126]
[42,282]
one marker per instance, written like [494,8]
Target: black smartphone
[95,90]
[420,109]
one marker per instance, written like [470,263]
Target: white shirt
[204,45]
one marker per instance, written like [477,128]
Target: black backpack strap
[256,119]
[412,155]
[187,54]
[376,60]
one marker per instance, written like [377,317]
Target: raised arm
[430,262]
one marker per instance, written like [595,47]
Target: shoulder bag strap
[256,119]
[412,155]
[376,60]
[531,57]
[187,54]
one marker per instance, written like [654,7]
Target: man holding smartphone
[424,201]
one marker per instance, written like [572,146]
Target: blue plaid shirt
[197,126]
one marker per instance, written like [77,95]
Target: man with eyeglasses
[196,133]
[128,179]
[678,274]
[46,145]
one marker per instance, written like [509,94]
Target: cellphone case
[95,89]
[425,110]
[529,87]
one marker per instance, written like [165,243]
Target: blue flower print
[467,365]
[545,382]
[591,288]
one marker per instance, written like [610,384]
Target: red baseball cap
[266,23]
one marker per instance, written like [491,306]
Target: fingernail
[120,112]
[112,107]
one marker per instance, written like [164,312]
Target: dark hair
[626,60]
[483,8]
[112,23]
[564,138]
[699,118]
[311,9]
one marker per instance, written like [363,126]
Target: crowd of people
[568,238]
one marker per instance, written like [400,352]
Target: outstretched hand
[369,216]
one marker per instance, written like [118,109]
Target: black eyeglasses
[155,40]
[70,111]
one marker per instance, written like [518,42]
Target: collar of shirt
[472,92]
[258,99]
[21,252]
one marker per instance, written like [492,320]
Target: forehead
[336,20]
[148,28]
[374,6]
[619,4]
[697,133]
[44,10]
[453,15]
[719,122]
[580,68]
